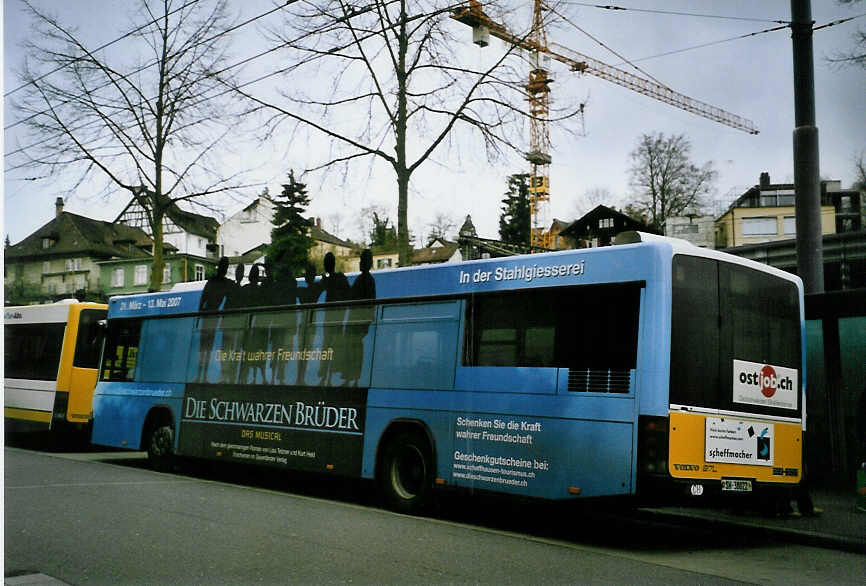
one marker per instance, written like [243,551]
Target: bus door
[85,363]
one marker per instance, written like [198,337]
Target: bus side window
[121,350]
[87,343]
[32,351]
[586,327]
[590,330]
[416,346]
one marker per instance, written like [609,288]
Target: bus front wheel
[406,474]
[160,448]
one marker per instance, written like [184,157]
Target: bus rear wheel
[160,448]
[406,473]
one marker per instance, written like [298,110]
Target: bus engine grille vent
[589,380]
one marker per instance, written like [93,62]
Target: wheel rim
[408,473]
[160,442]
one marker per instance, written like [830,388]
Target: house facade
[699,230]
[186,232]
[599,227]
[62,258]
[121,276]
[439,251]
[248,229]
[324,242]
[558,240]
[766,213]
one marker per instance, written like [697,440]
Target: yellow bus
[51,356]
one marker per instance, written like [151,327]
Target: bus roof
[639,259]
[57,312]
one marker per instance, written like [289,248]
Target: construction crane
[538,91]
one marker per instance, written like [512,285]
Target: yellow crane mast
[538,92]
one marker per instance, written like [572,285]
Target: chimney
[765,180]
[319,223]
[58,207]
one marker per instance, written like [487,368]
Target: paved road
[102,518]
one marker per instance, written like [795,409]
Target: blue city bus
[646,366]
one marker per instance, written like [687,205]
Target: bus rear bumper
[742,492]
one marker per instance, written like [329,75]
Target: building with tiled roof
[187,232]
[60,258]
[599,226]
[250,227]
[439,251]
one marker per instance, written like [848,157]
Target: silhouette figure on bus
[336,287]
[283,331]
[217,289]
[335,284]
[256,338]
[234,298]
[250,293]
[231,328]
[310,293]
[364,287]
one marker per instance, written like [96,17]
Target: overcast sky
[750,77]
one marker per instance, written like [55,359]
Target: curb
[793,535]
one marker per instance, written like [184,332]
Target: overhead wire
[126,76]
[709,44]
[784,25]
[100,48]
[446,9]
[257,56]
[671,12]
[225,69]
[840,21]
[625,60]
[145,66]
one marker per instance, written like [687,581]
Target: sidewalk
[838,525]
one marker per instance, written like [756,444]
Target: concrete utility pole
[807,179]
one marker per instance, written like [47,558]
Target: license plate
[736,485]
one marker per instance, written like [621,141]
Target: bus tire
[406,472]
[160,448]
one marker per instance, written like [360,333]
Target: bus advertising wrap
[276,426]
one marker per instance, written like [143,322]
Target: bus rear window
[723,312]
[121,350]
[32,351]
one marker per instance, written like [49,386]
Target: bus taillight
[652,444]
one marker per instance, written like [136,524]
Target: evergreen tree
[382,233]
[290,240]
[514,221]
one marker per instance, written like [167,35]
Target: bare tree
[860,172]
[150,127]
[441,226]
[665,182]
[857,55]
[592,198]
[860,183]
[334,224]
[396,71]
